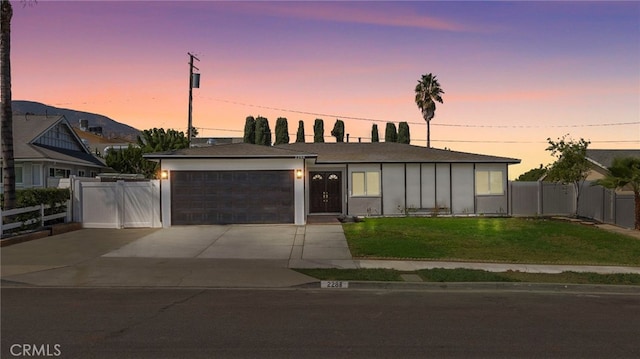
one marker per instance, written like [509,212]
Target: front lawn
[515,240]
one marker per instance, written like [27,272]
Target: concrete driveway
[192,256]
[277,242]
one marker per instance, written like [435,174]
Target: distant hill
[110,128]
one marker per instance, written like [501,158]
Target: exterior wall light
[164,174]
[299,173]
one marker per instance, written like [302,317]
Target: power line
[424,140]
[422,123]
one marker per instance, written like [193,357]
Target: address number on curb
[334,284]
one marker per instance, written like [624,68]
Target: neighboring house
[601,160]
[210,141]
[244,183]
[46,147]
[100,145]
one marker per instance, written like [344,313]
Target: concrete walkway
[252,256]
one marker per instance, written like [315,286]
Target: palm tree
[428,91]
[9,180]
[625,171]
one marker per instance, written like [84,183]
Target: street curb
[485,286]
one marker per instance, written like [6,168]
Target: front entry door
[325,192]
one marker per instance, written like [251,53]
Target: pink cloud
[358,13]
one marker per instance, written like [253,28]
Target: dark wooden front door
[325,192]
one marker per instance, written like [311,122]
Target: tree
[263,132]
[250,130]
[130,160]
[625,171]
[428,92]
[571,165]
[533,174]
[390,133]
[318,130]
[338,131]
[158,140]
[403,133]
[282,131]
[8,166]
[300,133]
[374,133]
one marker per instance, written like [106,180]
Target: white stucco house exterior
[245,183]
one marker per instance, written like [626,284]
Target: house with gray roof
[245,183]
[46,147]
[602,159]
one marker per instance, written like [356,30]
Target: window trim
[489,191]
[365,184]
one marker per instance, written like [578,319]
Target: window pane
[18,170]
[496,182]
[373,184]
[482,182]
[357,183]
[36,175]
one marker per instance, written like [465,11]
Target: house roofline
[417,162]
[298,156]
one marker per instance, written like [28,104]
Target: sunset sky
[513,73]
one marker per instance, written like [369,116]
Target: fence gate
[117,204]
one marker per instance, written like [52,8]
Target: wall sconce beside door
[299,173]
[164,174]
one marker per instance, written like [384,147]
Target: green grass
[514,240]
[472,275]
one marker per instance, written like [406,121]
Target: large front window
[489,182]
[365,184]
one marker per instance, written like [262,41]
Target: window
[489,183]
[36,175]
[365,184]
[18,170]
[59,172]
[81,173]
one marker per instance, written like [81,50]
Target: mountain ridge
[110,127]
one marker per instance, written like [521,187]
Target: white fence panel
[99,205]
[119,204]
[141,204]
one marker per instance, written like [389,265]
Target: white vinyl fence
[552,199]
[116,204]
[41,219]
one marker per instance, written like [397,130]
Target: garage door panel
[220,197]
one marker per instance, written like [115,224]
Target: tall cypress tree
[250,130]
[390,133]
[374,133]
[300,133]
[338,131]
[268,141]
[263,133]
[403,133]
[282,131]
[318,130]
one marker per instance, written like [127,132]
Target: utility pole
[194,82]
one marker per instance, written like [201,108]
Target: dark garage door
[225,197]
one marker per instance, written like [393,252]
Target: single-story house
[602,159]
[47,147]
[245,183]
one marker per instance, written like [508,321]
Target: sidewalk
[209,256]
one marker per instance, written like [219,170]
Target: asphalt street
[317,323]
